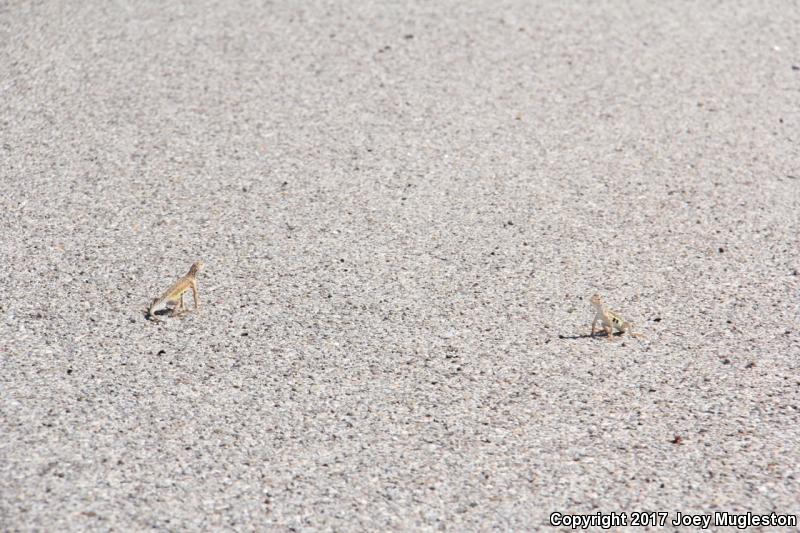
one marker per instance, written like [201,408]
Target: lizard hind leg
[178,310]
[150,312]
[635,335]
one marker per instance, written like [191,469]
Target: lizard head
[196,267]
[596,300]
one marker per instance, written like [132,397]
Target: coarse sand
[403,208]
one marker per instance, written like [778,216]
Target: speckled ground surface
[403,209]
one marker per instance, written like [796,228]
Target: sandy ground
[403,209]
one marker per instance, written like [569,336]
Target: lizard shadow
[587,336]
[156,314]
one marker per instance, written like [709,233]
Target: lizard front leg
[196,295]
[609,329]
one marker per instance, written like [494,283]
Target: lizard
[610,320]
[174,295]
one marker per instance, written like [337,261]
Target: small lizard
[174,295]
[610,320]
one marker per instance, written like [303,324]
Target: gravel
[403,209]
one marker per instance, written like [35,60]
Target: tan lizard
[174,295]
[610,320]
